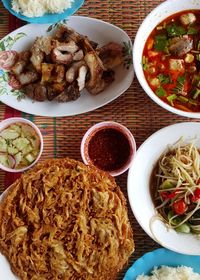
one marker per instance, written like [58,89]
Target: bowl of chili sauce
[109,146]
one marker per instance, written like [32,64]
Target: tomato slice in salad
[179,207]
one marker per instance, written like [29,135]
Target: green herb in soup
[171,60]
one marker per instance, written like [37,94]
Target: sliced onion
[8,59]
[11,161]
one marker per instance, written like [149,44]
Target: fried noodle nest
[65,220]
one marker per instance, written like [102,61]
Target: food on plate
[169,273]
[109,149]
[171,60]
[175,187]
[19,145]
[60,66]
[65,220]
[37,8]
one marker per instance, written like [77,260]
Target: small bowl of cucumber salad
[21,144]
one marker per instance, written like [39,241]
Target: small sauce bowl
[27,134]
[109,146]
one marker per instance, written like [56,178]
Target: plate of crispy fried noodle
[64,69]
[64,220]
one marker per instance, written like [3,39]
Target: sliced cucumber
[35,142]
[9,134]
[27,149]
[184,228]
[12,150]
[27,131]
[21,143]
[3,145]
[18,158]
[15,127]
[167,184]
[7,160]
[30,158]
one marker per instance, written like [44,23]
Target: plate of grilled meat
[68,68]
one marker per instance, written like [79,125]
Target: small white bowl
[105,125]
[160,13]
[4,124]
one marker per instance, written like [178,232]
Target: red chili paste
[109,149]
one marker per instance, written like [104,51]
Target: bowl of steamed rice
[163,264]
[46,11]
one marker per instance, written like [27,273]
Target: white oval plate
[98,31]
[138,187]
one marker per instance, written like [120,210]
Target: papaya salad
[175,188]
[171,60]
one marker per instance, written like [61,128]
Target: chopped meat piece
[65,33]
[36,92]
[59,73]
[52,73]
[41,46]
[21,63]
[95,84]
[70,46]
[73,70]
[13,82]
[180,46]
[81,77]
[28,77]
[78,55]
[47,68]
[62,58]
[111,55]
[108,76]
[70,93]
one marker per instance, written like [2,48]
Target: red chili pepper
[196,196]
[167,195]
[179,207]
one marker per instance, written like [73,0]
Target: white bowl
[161,12]
[139,187]
[4,124]
[117,126]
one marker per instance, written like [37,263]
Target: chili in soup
[171,60]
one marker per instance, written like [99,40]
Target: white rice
[171,273]
[37,8]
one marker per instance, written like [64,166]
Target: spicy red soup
[171,60]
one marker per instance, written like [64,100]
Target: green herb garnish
[179,88]
[164,79]
[192,30]
[161,42]
[171,98]
[195,93]
[161,92]
[144,62]
[182,99]
[175,30]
